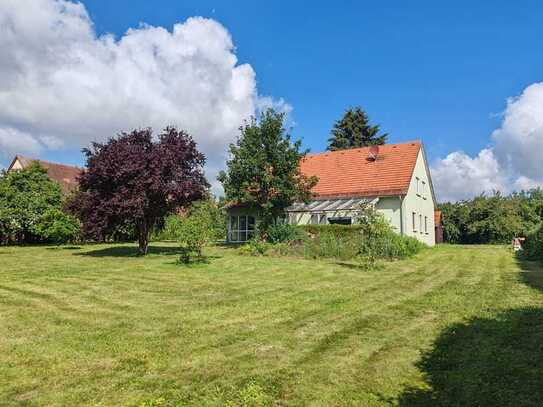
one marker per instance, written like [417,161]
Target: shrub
[257,247]
[25,196]
[533,247]
[217,222]
[284,233]
[58,227]
[365,241]
[192,230]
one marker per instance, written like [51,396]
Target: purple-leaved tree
[135,179]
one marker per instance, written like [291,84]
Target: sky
[464,77]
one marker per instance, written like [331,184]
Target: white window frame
[420,222]
[423,190]
[418,186]
[426,224]
[247,230]
[414,221]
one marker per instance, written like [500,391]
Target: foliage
[193,230]
[217,220]
[369,240]
[264,171]
[533,247]
[492,219]
[135,179]
[58,227]
[283,232]
[353,130]
[217,217]
[354,242]
[255,247]
[25,196]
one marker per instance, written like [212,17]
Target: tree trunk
[144,231]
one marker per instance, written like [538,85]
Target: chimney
[373,153]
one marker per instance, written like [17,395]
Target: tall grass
[349,242]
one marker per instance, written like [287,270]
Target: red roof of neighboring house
[65,175]
[349,173]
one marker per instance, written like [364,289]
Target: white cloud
[13,141]
[513,162]
[519,141]
[64,86]
[459,176]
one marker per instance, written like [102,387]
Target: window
[315,218]
[426,224]
[420,223]
[424,189]
[418,186]
[241,228]
[414,222]
[340,221]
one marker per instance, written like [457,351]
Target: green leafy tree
[353,130]
[58,227]
[492,219]
[25,196]
[264,169]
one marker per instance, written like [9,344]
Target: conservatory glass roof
[331,205]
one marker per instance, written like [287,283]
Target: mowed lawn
[97,325]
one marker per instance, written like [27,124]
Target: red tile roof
[349,173]
[65,175]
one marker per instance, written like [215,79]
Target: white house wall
[421,204]
[389,207]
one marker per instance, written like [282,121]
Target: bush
[370,239]
[533,247]
[193,230]
[217,222]
[255,247]
[367,242]
[284,233]
[25,196]
[58,227]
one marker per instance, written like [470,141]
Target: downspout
[401,215]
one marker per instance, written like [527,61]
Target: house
[65,175]
[394,178]
[438,221]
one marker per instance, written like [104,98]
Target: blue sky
[435,71]
[425,69]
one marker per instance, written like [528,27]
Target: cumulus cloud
[459,176]
[13,141]
[62,86]
[513,162]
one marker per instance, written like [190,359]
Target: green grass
[97,325]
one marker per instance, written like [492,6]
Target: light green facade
[419,204]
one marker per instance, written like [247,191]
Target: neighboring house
[438,221]
[395,178]
[65,175]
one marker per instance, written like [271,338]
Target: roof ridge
[48,162]
[412,142]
